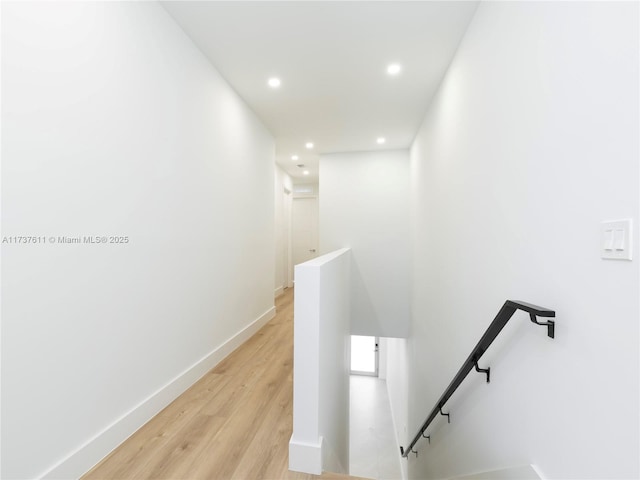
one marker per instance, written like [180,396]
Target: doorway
[304,229]
[364,355]
[287,258]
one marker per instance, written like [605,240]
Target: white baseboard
[305,457]
[278,291]
[524,472]
[95,449]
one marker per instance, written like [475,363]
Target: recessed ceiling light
[381,140]
[294,157]
[394,69]
[306,172]
[309,145]
[274,82]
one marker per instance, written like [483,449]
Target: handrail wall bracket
[551,325]
[487,370]
[445,415]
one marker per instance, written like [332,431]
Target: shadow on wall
[364,317]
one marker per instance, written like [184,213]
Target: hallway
[234,423]
[465,153]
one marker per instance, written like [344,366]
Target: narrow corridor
[234,423]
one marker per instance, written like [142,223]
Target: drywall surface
[396,376]
[364,205]
[115,125]
[320,439]
[530,143]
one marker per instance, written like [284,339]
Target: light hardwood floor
[234,423]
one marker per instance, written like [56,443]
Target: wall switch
[607,240]
[616,239]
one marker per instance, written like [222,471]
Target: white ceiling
[332,59]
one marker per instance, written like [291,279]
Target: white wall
[320,439]
[113,123]
[282,228]
[364,205]
[530,143]
[396,367]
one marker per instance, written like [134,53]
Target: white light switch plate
[616,239]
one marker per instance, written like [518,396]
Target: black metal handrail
[505,313]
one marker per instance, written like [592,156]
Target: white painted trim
[523,472]
[278,291]
[95,449]
[305,457]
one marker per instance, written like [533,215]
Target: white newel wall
[114,123]
[530,143]
[320,439]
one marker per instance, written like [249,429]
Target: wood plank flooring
[234,423]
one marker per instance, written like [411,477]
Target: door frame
[376,354]
[316,226]
[288,243]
